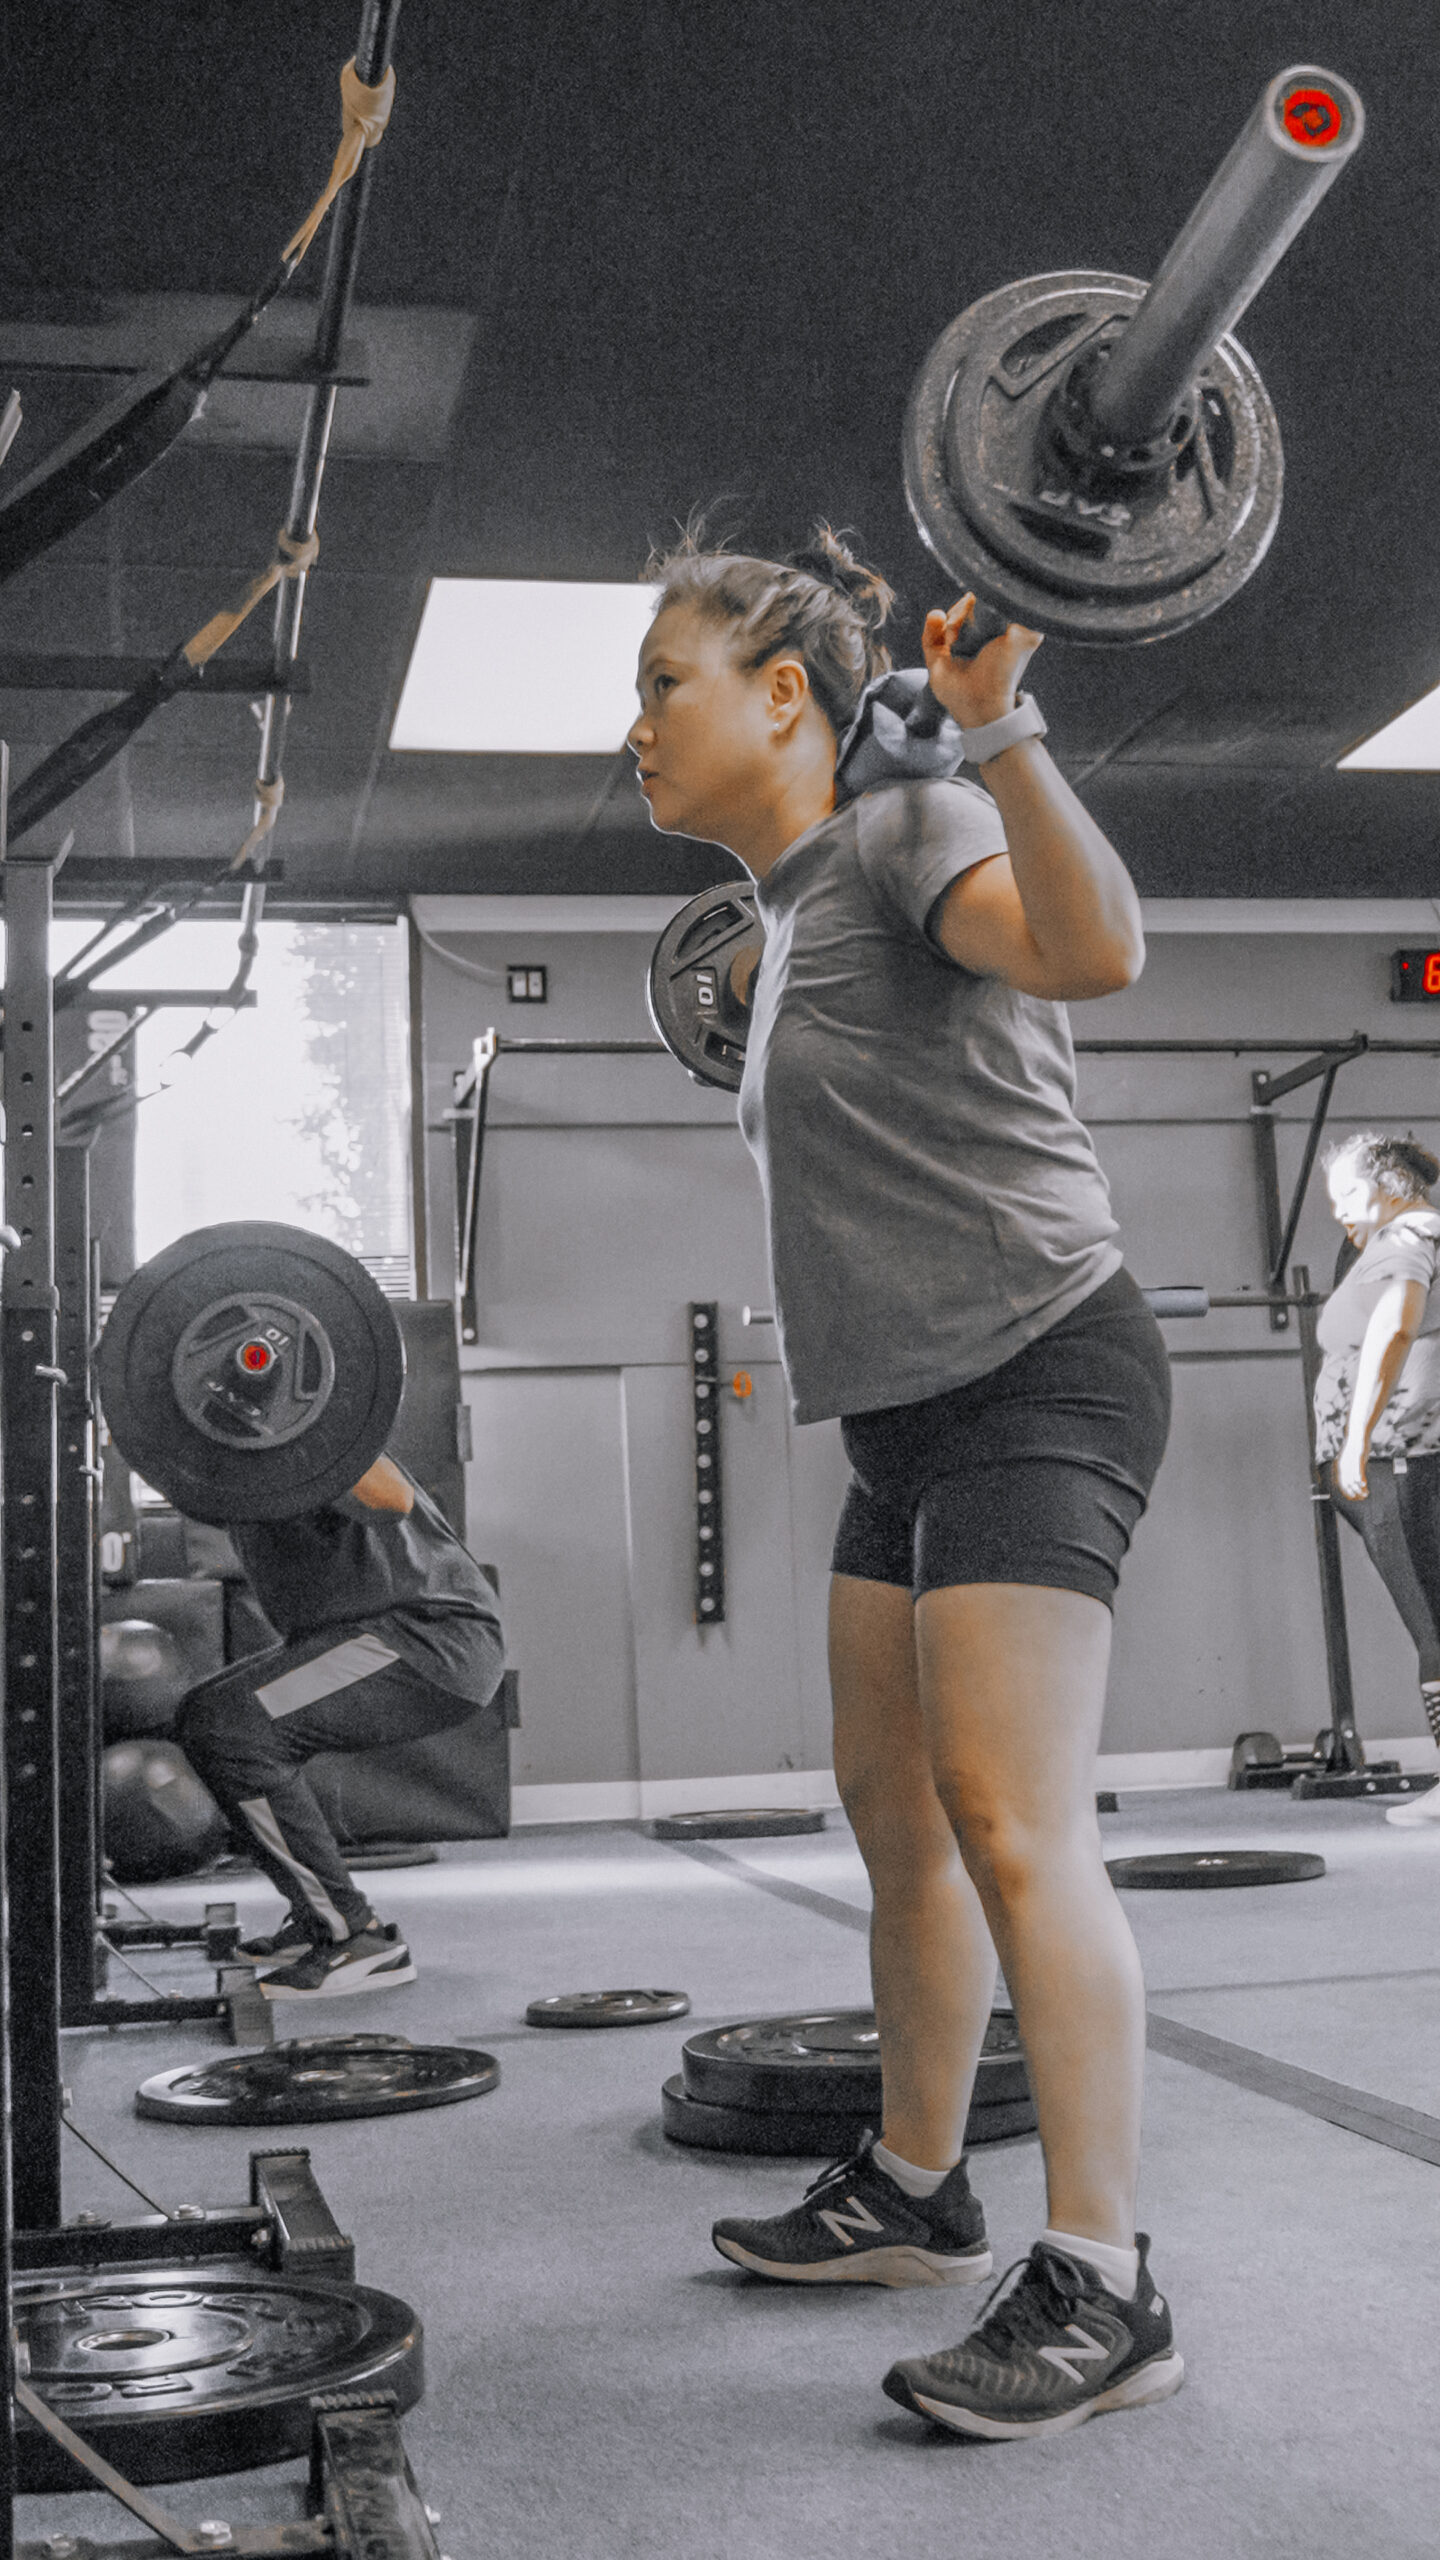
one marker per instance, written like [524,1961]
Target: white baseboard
[1129,1769]
[641,1799]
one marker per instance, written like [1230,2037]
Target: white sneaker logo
[1067,2358]
[859,2218]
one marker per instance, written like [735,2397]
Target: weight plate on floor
[251,1372]
[828,2062]
[702,975]
[608,2009]
[313,2079]
[390,1853]
[762,1822]
[178,2376]
[1180,1870]
[795,2134]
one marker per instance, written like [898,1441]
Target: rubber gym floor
[600,2384]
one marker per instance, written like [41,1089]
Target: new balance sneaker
[281,1947]
[1053,2353]
[373,1959]
[855,2226]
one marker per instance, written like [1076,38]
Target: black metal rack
[363,2493]
[467,1115]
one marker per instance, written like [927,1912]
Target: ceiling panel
[635,257]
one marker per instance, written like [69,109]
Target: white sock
[910,2180]
[1119,2267]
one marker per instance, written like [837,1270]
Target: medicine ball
[160,1818]
[143,1677]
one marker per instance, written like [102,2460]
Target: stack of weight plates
[809,2086]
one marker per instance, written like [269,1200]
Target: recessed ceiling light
[1409,744]
[523,667]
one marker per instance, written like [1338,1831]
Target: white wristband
[1025,721]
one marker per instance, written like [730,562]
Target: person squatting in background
[1377,1398]
[391,1631]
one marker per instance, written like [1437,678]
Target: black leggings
[1400,1524]
[250,1730]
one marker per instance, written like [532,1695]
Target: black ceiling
[701,252]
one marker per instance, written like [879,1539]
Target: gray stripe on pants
[260,1815]
[339,1668]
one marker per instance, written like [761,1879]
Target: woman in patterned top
[1377,1398]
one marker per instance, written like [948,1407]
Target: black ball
[143,1677]
[160,1818]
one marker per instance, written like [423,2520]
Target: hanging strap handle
[294,555]
[366,113]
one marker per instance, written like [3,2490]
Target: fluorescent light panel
[523,667]
[1410,744]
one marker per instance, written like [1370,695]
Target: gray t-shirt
[1405,1248]
[934,1203]
[346,1564]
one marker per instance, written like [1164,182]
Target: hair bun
[1417,1160]
[829,560]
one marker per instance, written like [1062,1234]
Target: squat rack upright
[48,1312]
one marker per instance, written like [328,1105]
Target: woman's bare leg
[932,1959]
[1012,1691]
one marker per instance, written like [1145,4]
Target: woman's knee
[1008,1848]
[899,1825]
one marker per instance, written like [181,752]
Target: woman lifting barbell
[391,1632]
[948,1282]
[1377,1398]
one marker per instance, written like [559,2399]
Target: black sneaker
[281,1947]
[374,1959]
[1055,2352]
[855,2226]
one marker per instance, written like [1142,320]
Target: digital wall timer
[1415,977]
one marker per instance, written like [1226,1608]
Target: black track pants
[250,1730]
[1400,1524]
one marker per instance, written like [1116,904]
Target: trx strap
[129,436]
[293,557]
[269,800]
[366,113]
[92,746]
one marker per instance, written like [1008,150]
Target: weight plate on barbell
[795,2134]
[312,2080]
[702,975]
[826,2063]
[608,2009]
[1138,561]
[254,1371]
[180,2375]
[1178,1870]
[251,1372]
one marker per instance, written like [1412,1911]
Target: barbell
[251,1372]
[1099,458]
[1093,456]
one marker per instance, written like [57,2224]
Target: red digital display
[1415,977]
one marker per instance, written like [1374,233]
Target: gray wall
[615,1192]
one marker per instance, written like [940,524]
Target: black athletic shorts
[1037,1472]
